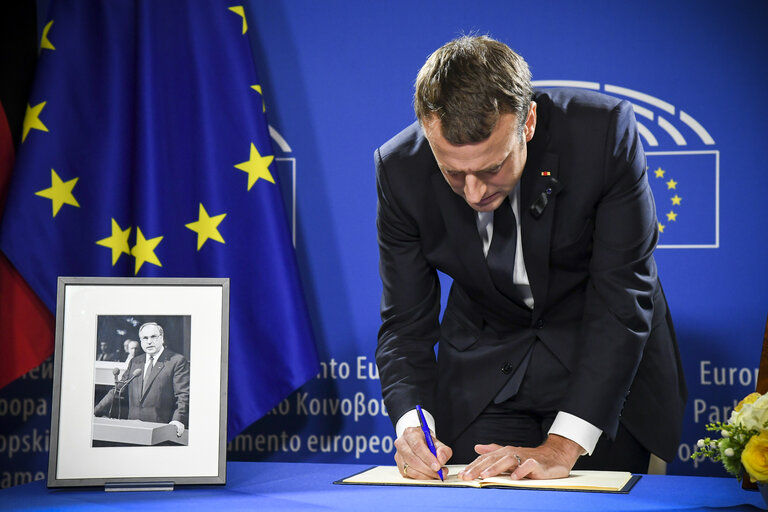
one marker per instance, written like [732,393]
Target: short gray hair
[159,328]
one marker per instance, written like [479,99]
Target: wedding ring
[519,460]
[405,468]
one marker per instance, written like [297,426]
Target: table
[287,487]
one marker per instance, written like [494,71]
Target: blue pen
[428,437]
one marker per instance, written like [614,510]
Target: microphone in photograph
[135,374]
[115,373]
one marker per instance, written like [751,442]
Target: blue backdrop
[338,80]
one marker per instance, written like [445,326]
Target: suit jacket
[109,356]
[166,398]
[588,232]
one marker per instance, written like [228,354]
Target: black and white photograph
[142,375]
[124,391]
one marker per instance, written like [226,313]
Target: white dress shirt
[565,424]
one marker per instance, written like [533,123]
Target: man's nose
[474,188]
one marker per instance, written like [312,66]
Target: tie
[501,254]
[147,374]
[501,264]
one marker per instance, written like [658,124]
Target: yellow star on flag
[676,199]
[659,172]
[671,184]
[118,242]
[671,216]
[45,43]
[238,9]
[661,227]
[60,192]
[144,250]
[32,120]
[257,88]
[257,167]
[206,227]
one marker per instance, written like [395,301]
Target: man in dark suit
[158,390]
[130,350]
[105,354]
[538,206]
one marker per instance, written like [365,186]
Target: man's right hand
[413,458]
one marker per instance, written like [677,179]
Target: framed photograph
[140,382]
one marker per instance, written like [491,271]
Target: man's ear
[530,123]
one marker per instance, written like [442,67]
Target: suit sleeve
[410,305]
[105,404]
[102,408]
[181,391]
[619,299]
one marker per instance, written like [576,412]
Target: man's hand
[413,458]
[553,459]
[179,427]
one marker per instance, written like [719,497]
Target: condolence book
[588,481]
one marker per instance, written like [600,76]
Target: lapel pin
[541,202]
[546,173]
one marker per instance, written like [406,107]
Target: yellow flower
[755,457]
[749,399]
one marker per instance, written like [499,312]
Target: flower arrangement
[743,443]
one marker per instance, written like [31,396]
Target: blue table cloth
[266,486]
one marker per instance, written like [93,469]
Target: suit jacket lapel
[461,225]
[539,187]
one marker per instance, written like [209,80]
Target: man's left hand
[553,459]
[179,427]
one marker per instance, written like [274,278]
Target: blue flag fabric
[146,152]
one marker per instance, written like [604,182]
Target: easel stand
[137,486]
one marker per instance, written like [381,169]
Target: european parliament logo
[285,164]
[685,181]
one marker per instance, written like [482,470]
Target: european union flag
[146,152]
[685,187]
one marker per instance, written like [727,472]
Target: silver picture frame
[139,383]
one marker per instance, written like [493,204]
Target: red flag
[26,325]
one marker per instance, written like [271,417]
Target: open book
[591,481]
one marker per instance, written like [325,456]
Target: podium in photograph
[136,432]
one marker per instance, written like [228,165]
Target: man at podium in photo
[556,342]
[156,382]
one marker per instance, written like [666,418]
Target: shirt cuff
[577,430]
[411,419]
